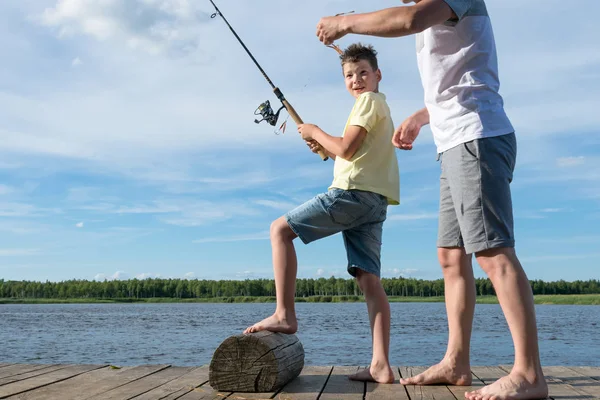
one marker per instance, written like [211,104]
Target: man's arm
[389,22]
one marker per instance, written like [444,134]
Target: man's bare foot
[444,372]
[275,324]
[374,374]
[511,387]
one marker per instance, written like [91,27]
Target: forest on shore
[190,289]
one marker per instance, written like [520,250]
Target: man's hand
[307,131]
[329,29]
[406,133]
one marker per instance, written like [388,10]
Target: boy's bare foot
[444,372]
[275,324]
[511,387]
[374,374]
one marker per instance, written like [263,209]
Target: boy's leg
[459,292]
[379,318]
[285,266]
[324,215]
[363,247]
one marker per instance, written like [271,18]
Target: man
[476,148]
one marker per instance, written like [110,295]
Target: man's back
[459,70]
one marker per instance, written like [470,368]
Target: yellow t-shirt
[374,166]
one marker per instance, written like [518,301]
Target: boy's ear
[378,74]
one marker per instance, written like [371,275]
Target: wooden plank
[17,369]
[437,392]
[459,391]
[395,391]
[489,375]
[31,374]
[204,392]
[92,383]
[177,387]
[307,386]
[339,387]
[45,379]
[580,383]
[592,372]
[143,385]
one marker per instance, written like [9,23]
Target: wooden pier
[154,382]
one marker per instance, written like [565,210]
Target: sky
[128,147]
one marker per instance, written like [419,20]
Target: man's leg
[459,289]
[459,292]
[285,266]
[526,380]
[379,318]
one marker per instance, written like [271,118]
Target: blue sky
[128,148]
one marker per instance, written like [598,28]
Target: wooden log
[257,362]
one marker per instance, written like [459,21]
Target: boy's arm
[389,22]
[345,146]
[315,147]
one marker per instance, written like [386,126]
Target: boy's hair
[357,51]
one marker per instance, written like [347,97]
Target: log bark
[258,362]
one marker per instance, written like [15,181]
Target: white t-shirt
[459,70]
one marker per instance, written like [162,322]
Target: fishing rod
[265,110]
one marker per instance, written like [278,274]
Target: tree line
[196,288]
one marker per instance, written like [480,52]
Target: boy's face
[361,78]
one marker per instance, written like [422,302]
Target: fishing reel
[267,114]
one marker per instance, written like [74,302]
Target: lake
[332,333]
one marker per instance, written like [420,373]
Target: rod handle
[298,121]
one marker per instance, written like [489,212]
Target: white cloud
[154,26]
[76,62]
[13,209]
[18,252]
[147,275]
[320,272]
[278,205]
[235,238]
[412,217]
[189,275]
[79,224]
[5,189]
[570,161]
[556,210]
[117,276]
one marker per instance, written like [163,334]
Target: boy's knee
[281,230]
[366,280]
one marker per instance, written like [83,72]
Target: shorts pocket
[347,209]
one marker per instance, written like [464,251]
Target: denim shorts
[359,215]
[475,200]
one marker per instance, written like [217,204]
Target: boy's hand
[307,131]
[329,29]
[314,146]
[406,133]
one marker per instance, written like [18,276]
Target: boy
[366,180]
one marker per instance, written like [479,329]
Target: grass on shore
[582,299]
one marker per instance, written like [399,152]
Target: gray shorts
[475,200]
[357,214]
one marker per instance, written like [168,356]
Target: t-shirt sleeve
[365,112]
[460,7]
